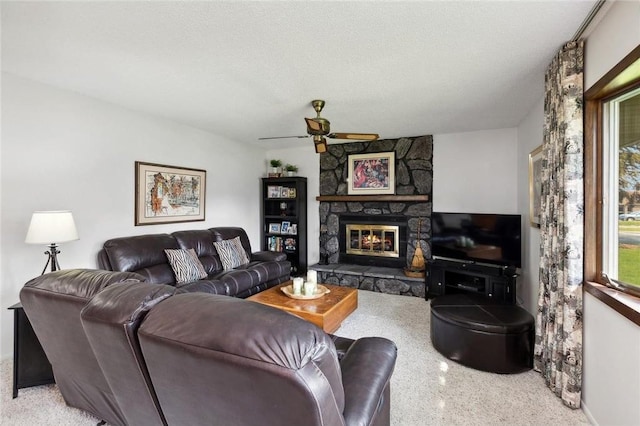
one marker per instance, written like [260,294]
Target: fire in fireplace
[373,240]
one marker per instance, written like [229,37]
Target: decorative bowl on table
[320,291]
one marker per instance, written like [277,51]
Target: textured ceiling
[245,70]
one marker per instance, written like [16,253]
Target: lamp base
[53,253]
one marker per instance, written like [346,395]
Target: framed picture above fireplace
[372,173]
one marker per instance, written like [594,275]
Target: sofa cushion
[185,265]
[212,286]
[237,280]
[143,254]
[222,233]
[269,270]
[79,283]
[231,253]
[201,240]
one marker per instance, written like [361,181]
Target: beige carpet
[426,389]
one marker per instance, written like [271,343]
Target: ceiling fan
[319,128]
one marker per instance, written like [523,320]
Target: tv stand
[450,276]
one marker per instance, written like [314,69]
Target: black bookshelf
[284,219]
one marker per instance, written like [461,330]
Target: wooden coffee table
[327,312]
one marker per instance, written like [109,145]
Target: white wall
[476,172]
[615,35]
[529,138]
[61,150]
[611,378]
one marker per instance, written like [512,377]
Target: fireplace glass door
[372,240]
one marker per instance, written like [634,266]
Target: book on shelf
[290,244]
[280,244]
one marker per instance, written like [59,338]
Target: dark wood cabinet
[494,282]
[30,364]
[284,219]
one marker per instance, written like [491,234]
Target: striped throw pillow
[186,265]
[231,253]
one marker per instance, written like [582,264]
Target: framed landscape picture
[372,173]
[535,186]
[168,194]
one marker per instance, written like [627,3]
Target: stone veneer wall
[414,176]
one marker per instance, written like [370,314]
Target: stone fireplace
[410,205]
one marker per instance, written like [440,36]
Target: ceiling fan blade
[355,136]
[283,137]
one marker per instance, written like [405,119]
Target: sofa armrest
[342,345]
[103,261]
[366,371]
[268,256]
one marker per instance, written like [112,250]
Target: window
[621,189]
[612,179]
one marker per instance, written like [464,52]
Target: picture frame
[293,229]
[284,228]
[535,186]
[168,194]
[273,191]
[274,228]
[372,173]
[284,192]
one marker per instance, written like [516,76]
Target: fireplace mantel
[358,198]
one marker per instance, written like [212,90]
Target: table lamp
[51,227]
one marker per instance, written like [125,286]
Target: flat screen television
[477,237]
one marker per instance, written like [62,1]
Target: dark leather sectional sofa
[137,353]
[144,255]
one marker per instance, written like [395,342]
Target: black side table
[30,364]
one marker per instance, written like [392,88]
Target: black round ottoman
[481,333]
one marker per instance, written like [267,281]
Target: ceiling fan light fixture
[320,144]
[318,126]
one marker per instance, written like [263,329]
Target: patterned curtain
[558,343]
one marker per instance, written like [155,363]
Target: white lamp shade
[51,227]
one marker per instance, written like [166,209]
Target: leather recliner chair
[111,321]
[53,303]
[242,363]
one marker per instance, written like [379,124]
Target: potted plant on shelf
[291,169]
[274,170]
